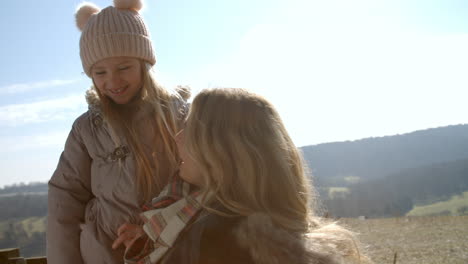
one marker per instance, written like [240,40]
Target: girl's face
[119,78]
[187,170]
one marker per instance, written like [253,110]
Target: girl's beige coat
[93,191]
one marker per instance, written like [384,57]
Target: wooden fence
[12,256]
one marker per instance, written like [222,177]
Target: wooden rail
[12,256]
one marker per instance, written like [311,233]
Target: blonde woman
[250,200]
[121,152]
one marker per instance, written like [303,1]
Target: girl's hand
[127,233]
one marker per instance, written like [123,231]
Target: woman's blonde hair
[246,157]
[250,165]
[161,110]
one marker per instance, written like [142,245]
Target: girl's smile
[119,78]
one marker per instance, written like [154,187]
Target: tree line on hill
[23,206]
[387,176]
[34,187]
[395,195]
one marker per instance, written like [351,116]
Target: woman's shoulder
[256,239]
[217,242]
[266,242]
[219,229]
[209,239]
[253,239]
[244,239]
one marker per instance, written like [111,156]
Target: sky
[336,70]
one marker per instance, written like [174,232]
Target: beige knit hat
[111,32]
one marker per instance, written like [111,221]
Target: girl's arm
[69,192]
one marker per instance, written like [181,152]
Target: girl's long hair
[154,113]
[247,159]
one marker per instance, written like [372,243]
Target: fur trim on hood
[329,244]
[92,98]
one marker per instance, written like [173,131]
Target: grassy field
[416,240]
[421,240]
[29,225]
[28,234]
[450,207]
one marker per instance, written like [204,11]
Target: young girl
[252,202]
[121,152]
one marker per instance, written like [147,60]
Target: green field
[450,207]
[28,234]
[29,225]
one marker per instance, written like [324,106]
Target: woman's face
[187,170]
[119,78]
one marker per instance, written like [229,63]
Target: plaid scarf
[164,219]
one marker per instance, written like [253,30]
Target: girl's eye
[124,68]
[99,73]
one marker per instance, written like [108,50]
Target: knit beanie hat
[112,32]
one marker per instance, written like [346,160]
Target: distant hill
[374,176]
[374,158]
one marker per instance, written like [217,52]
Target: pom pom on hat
[129,4]
[83,12]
